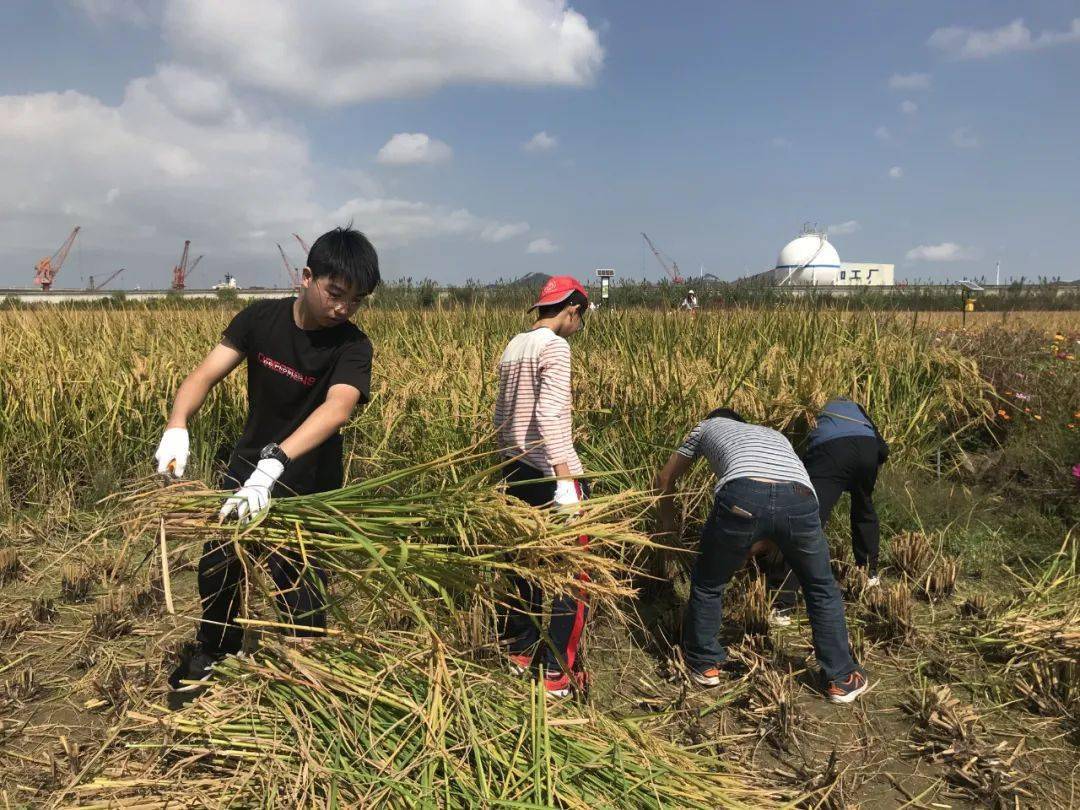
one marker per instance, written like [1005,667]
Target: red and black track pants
[521,618]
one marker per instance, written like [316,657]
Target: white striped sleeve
[689,447]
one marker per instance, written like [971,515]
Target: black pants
[300,590]
[521,618]
[848,464]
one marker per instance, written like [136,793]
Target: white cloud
[497,232]
[540,142]
[193,95]
[780,143]
[910,81]
[396,222]
[882,133]
[145,174]
[541,245]
[335,53]
[908,107]
[945,252]
[964,138]
[136,12]
[896,172]
[843,228]
[409,148]
[958,42]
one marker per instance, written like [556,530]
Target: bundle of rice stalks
[1052,689]
[912,553]
[950,733]
[1042,624]
[76,582]
[10,566]
[451,540]
[14,624]
[43,610]
[111,618]
[855,581]
[889,612]
[976,606]
[400,722]
[21,688]
[771,707]
[940,580]
[824,786]
[754,608]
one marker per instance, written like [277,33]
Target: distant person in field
[762,492]
[689,302]
[534,427]
[844,453]
[308,368]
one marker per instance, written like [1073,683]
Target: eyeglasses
[337,299]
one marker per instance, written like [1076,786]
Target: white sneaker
[873,581]
[780,618]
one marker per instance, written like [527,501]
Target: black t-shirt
[289,372]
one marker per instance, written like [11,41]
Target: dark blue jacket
[841,418]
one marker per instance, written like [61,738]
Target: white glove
[566,492]
[172,452]
[254,496]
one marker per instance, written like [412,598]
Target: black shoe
[193,671]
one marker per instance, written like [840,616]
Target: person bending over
[844,453]
[762,492]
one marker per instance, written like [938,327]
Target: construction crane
[294,272]
[179,273]
[303,245]
[47,268]
[105,283]
[673,271]
[194,264]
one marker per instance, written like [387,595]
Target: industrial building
[810,260]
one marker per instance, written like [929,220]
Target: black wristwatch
[274,451]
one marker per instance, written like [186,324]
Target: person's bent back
[762,492]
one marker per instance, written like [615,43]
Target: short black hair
[726,413]
[346,255]
[551,310]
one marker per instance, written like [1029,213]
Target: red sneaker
[519,663]
[561,684]
[705,677]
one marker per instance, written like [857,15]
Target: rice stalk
[400,721]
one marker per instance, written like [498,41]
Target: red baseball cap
[557,289]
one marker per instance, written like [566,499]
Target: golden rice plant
[398,720]
[950,732]
[76,582]
[912,553]
[10,565]
[434,386]
[940,579]
[890,612]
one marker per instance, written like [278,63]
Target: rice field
[974,642]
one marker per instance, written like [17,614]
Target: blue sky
[940,137]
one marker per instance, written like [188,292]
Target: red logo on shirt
[288,371]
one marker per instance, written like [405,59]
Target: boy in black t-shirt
[308,367]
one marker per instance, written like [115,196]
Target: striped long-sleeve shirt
[737,450]
[532,412]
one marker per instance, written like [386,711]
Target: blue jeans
[786,513]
